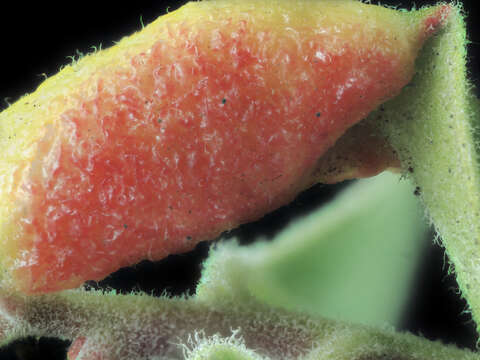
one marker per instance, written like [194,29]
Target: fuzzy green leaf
[218,348]
[432,126]
[352,259]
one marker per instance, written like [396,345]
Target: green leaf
[218,348]
[432,126]
[353,259]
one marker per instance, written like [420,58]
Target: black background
[36,39]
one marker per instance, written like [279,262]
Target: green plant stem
[141,327]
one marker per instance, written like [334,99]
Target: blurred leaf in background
[353,259]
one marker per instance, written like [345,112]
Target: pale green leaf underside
[431,125]
[352,259]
